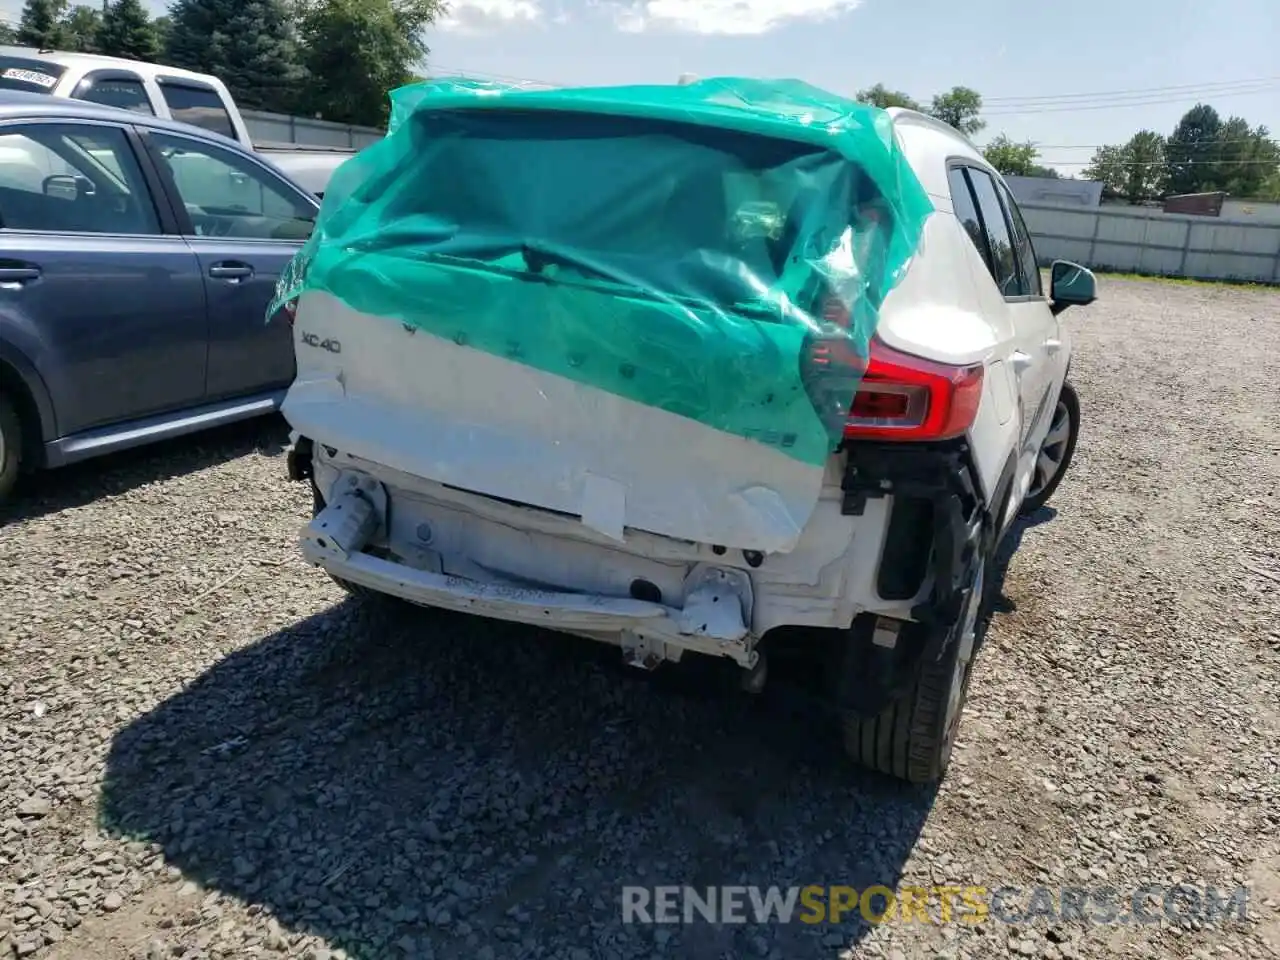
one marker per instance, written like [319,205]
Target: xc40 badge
[311,340]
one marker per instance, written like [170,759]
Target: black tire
[910,739]
[11,441]
[1071,402]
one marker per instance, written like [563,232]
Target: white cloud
[478,15]
[731,17]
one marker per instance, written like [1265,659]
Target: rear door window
[123,91]
[230,196]
[966,211]
[198,106]
[1006,269]
[1022,242]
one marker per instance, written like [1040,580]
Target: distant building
[1222,205]
[1196,204]
[1060,192]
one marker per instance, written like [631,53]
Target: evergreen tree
[357,51]
[41,24]
[1191,150]
[127,32]
[248,44]
[80,29]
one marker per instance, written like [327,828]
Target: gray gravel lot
[205,751]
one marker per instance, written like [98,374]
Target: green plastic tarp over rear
[718,249]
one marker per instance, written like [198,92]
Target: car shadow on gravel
[50,491]
[1009,547]
[411,783]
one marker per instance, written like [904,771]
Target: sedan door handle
[1021,361]
[1052,347]
[19,275]
[231,270]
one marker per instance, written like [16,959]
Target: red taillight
[902,397]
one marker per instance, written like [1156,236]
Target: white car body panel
[607,492]
[505,429]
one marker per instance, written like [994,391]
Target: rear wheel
[10,447]
[911,739]
[1056,450]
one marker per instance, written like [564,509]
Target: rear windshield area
[29,76]
[678,209]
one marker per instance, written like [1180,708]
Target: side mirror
[1071,285]
[66,186]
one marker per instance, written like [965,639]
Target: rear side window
[198,106]
[124,93]
[1026,252]
[29,76]
[967,212]
[1004,256]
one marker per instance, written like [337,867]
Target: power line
[1165,162]
[1135,92]
[1098,146]
[1025,106]
[1117,105]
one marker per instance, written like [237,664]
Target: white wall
[1252,211]
[267,127]
[1081,193]
[1133,240]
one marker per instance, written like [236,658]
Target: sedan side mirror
[66,186]
[1071,285]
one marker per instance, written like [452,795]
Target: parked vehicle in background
[160,91]
[138,257]
[582,405]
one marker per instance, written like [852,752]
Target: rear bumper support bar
[713,621]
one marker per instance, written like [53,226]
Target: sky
[1068,77]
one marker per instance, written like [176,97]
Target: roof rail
[919,119]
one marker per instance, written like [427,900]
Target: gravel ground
[205,751]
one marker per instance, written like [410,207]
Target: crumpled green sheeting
[674,245]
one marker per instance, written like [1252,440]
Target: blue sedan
[137,260]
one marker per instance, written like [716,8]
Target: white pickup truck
[162,91]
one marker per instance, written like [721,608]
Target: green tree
[41,24]
[1144,167]
[163,26]
[884,98]
[356,51]
[1011,158]
[959,107]
[1108,168]
[7,34]
[80,27]
[1047,172]
[1244,158]
[1270,189]
[249,44]
[127,32]
[1191,150]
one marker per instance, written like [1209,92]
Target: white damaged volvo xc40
[458,478]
